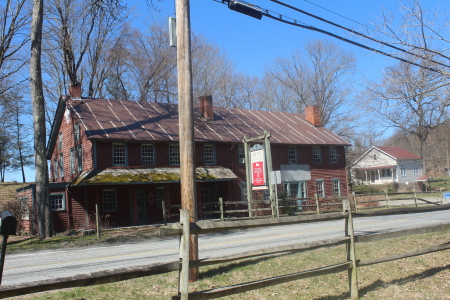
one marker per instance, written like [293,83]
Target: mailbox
[8,224]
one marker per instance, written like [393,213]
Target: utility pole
[186,120]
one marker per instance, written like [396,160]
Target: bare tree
[13,37]
[409,99]
[77,40]
[319,76]
[37,95]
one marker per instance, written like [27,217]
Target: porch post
[379,175]
[135,212]
[365,172]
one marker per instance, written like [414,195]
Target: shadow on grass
[231,267]
[379,284]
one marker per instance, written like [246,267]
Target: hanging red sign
[258,169]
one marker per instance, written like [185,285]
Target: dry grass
[422,277]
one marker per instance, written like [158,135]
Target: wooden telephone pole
[186,120]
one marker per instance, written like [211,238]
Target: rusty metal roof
[148,121]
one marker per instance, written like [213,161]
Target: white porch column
[379,175]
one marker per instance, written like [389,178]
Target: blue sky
[252,44]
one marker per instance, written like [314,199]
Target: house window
[60,141]
[24,208]
[174,155]
[320,189]
[80,158]
[57,201]
[72,160]
[119,155]
[333,154]
[317,156]
[55,168]
[109,197]
[416,171]
[374,157]
[61,165]
[241,154]
[148,154]
[403,170]
[292,154]
[244,191]
[386,173]
[160,196]
[336,184]
[209,154]
[76,131]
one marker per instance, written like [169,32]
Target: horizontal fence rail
[351,264]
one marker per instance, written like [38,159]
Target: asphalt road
[42,265]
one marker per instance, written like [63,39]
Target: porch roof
[149,175]
[376,168]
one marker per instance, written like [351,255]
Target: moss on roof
[143,177]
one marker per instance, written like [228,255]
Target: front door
[140,207]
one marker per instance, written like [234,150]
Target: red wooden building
[124,157]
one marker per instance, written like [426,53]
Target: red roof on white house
[398,152]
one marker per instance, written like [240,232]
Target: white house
[380,165]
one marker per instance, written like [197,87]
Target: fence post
[317,203]
[387,199]
[221,209]
[351,253]
[183,281]
[415,197]
[97,221]
[354,200]
[164,211]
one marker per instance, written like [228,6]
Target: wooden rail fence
[183,229]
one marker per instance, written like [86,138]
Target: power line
[284,19]
[356,32]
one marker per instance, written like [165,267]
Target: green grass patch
[421,277]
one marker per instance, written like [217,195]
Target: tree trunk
[37,96]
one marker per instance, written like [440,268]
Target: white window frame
[119,157]
[109,204]
[24,208]
[333,155]
[416,171]
[336,186]
[292,155]
[148,155]
[55,168]
[60,141]
[241,154]
[72,160]
[79,154]
[60,205]
[403,172]
[243,187]
[61,165]
[209,155]
[317,155]
[386,173]
[320,188]
[76,131]
[174,154]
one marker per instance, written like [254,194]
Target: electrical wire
[356,32]
[285,19]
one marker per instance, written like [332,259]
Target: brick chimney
[206,107]
[313,115]
[75,91]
